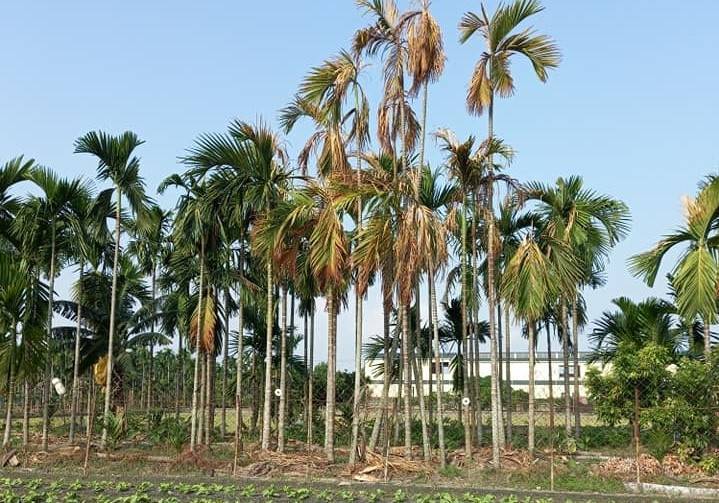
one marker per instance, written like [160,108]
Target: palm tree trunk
[531,328]
[551,407]
[407,382]
[179,386]
[707,338]
[500,333]
[491,297]
[575,355]
[111,334]
[209,393]
[359,368]
[437,367]
[10,391]
[196,376]
[565,363]
[419,386]
[508,378]
[283,372]
[76,358]
[464,343]
[150,372]
[305,365]
[238,361]
[331,375]
[26,414]
[225,343]
[311,380]
[50,301]
[473,345]
[267,405]
[202,395]
[382,416]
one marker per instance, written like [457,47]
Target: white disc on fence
[58,385]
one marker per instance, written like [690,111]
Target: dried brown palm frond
[425,49]
[209,324]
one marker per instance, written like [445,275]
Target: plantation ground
[31,487]
[143,472]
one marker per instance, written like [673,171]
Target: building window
[570,371]
[445,368]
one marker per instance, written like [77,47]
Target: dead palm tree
[492,77]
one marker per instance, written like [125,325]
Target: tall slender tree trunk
[437,367]
[466,408]
[26,414]
[267,405]
[238,360]
[10,390]
[196,376]
[331,376]
[575,355]
[50,301]
[565,364]
[311,380]
[179,386]
[473,350]
[500,333]
[508,378]
[382,415]
[225,343]
[151,367]
[210,391]
[491,298]
[111,334]
[707,338]
[359,314]
[406,381]
[419,385]
[531,329]
[283,372]
[551,404]
[201,417]
[359,371]
[76,357]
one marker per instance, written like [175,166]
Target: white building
[519,372]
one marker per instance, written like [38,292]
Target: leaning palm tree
[695,276]
[492,77]
[117,163]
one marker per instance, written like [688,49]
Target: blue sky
[632,107]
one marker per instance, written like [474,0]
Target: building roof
[517,356]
